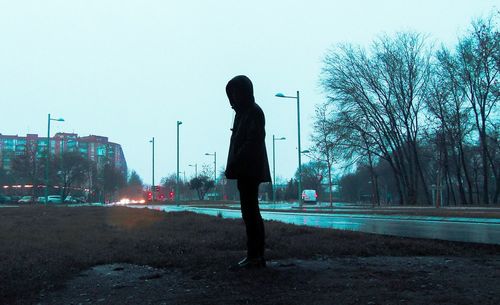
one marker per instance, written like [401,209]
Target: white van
[309,196]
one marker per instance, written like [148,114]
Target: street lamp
[152,141]
[195,169]
[48,156]
[215,165]
[274,166]
[298,138]
[177,176]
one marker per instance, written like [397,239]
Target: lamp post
[195,169]
[274,166]
[48,156]
[152,141]
[215,167]
[177,176]
[298,140]
[215,164]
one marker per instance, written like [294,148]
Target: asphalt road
[478,230]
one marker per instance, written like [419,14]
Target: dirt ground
[118,255]
[351,280]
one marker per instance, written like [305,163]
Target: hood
[239,91]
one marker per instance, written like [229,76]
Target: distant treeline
[419,123]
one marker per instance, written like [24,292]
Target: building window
[71,145]
[8,144]
[101,150]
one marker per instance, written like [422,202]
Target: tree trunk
[370,163]
[497,191]
[421,175]
[466,172]
[449,186]
[484,155]
[404,184]
[461,190]
[400,191]
[330,182]
[377,191]
[496,175]
[476,182]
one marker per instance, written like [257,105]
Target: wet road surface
[479,230]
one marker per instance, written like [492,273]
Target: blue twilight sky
[129,69]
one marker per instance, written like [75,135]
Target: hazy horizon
[128,70]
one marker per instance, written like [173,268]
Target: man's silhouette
[247,162]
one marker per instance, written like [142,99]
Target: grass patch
[42,246]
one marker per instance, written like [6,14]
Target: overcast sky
[129,69]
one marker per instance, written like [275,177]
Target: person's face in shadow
[238,100]
[234,100]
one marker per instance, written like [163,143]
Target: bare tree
[134,187]
[169,182]
[202,184]
[313,173]
[72,171]
[324,140]
[478,57]
[27,169]
[111,181]
[379,96]
[447,106]
[495,140]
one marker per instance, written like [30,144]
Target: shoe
[252,263]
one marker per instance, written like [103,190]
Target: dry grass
[41,247]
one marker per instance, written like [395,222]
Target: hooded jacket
[247,157]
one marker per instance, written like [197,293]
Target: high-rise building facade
[93,148]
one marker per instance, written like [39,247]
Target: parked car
[81,199]
[26,199]
[4,199]
[50,199]
[72,199]
[309,196]
[54,199]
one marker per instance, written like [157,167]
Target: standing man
[247,163]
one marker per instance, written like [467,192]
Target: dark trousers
[249,192]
